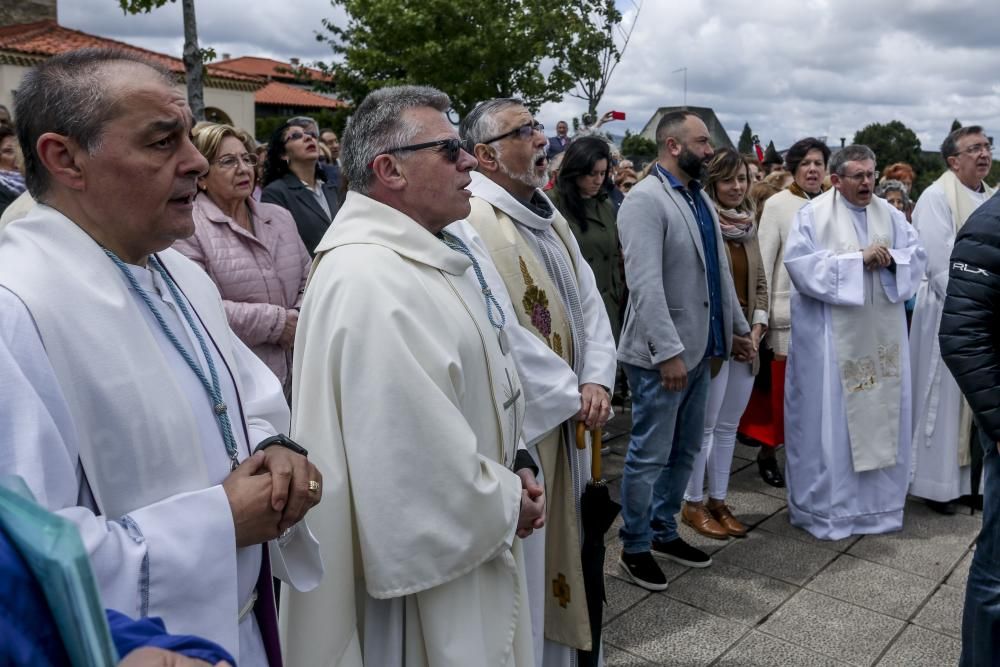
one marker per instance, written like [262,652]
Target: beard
[692,165]
[528,176]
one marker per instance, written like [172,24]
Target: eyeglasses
[976,149]
[626,186]
[228,162]
[295,136]
[862,176]
[449,147]
[523,132]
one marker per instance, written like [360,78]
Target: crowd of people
[364,368]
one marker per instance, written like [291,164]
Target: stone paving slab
[833,628]
[918,647]
[621,596]
[748,478]
[752,508]
[943,612]
[775,556]
[616,657]
[779,525]
[929,545]
[873,586]
[731,592]
[960,575]
[760,650]
[668,632]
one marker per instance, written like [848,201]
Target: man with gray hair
[853,261]
[128,404]
[563,348]
[407,395]
[942,425]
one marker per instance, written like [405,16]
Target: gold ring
[313,486]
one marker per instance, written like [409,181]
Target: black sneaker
[643,570]
[681,552]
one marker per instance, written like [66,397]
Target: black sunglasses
[449,147]
[523,132]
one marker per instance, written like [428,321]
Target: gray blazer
[668,311]
[310,218]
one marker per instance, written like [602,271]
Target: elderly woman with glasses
[251,250]
[294,179]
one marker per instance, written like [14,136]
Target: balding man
[683,312]
[409,399]
[128,405]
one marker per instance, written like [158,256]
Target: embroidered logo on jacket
[536,306]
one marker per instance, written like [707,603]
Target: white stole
[866,338]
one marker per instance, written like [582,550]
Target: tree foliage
[471,49]
[638,147]
[193,57]
[892,142]
[599,44]
[745,144]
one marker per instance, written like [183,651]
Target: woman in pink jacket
[251,250]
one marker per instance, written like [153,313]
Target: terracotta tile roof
[282,94]
[271,69]
[47,38]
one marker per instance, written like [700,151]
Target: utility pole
[685,70]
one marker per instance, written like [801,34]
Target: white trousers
[728,395]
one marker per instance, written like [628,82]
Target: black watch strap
[281,440]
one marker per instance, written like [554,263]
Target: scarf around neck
[737,226]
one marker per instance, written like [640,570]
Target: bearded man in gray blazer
[682,313]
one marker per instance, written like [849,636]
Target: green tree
[745,144]
[955,125]
[892,142]
[194,57]
[598,47]
[638,147]
[471,49]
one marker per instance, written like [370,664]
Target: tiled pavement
[780,597]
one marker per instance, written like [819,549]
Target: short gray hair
[852,153]
[949,146]
[482,123]
[378,125]
[69,94]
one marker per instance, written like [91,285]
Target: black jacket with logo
[970,324]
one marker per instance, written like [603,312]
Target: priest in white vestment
[408,398]
[128,404]
[853,261]
[566,359]
[942,418]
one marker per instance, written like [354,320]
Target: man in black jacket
[970,346]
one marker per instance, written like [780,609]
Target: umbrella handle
[595,452]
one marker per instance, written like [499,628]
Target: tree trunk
[193,67]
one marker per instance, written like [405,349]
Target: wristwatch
[281,440]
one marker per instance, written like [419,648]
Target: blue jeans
[981,616]
[667,428]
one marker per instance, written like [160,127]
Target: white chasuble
[132,450]
[412,412]
[841,481]
[942,418]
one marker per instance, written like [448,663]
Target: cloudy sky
[790,68]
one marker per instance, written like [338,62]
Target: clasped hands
[532,516]
[270,492]
[876,256]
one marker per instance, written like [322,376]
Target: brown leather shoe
[725,518]
[698,517]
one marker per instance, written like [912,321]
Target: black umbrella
[597,513]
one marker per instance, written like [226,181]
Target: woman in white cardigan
[763,421]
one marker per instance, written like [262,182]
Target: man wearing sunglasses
[853,260]
[562,345]
[942,425]
[408,398]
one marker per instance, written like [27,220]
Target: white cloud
[790,68]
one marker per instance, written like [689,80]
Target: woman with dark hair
[763,423]
[11,178]
[581,195]
[728,184]
[294,180]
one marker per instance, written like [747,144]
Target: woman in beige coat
[727,184]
